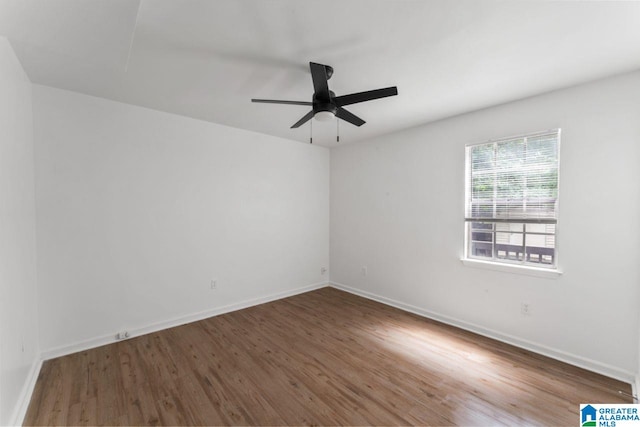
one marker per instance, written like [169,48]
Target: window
[512,200]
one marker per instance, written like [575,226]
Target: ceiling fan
[325,104]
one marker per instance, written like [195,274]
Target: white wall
[637,388]
[397,207]
[137,210]
[18,301]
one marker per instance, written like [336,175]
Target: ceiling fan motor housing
[324,106]
[327,105]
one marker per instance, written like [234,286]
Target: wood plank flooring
[322,358]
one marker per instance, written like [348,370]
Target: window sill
[514,269]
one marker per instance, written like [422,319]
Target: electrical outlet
[214,284]
[122,335]
[525,309]
[364,270]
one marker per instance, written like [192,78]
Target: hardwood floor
[325,357]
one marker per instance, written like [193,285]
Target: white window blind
[511,207]
[514,180]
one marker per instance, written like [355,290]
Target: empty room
[284,212]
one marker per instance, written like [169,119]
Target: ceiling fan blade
[303,120]
[349,117]
[320,84]
[369,95]
[276,101]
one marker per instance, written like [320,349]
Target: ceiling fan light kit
[325,104]
[324,116]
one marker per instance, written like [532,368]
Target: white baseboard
[572,359]
[635,389]
[177,321]
[17,418]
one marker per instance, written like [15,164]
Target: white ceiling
[207,58]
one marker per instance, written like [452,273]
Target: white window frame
[519,267]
